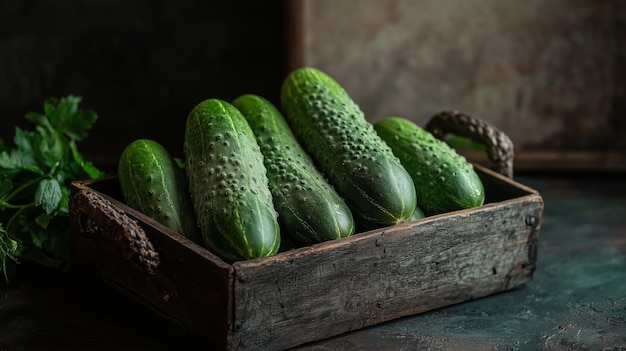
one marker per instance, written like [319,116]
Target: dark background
[140,65]
[550,77]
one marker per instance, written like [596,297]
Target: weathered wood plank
[335,287]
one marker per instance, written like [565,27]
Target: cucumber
[309,209]
[346,149]
[228,183]
[444,180]
[152,183]
[418,214]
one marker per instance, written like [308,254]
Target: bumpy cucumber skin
[309,209]
[444,180]
[228,183]
[152,183]
[346,149]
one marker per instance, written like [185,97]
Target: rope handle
[499,145]
[99,219]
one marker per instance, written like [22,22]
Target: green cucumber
[444,180]
[228,183]
[152,183]
[346,149]
[418,214]
[309,209]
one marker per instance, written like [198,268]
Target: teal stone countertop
[576,300]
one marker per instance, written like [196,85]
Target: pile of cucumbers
[313,171]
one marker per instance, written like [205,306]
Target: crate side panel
[335,287]
[187,285]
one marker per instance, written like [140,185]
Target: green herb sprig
[35,176]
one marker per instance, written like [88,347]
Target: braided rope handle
[99,218]
[499,145]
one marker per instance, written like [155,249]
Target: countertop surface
[576,300]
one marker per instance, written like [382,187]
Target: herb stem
[6,205]
[16,214]
[23,186]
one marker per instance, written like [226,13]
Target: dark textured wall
[141,65]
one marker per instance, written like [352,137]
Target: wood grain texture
[372,277]
[327,289]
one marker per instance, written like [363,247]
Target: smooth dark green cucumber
[444,180]
[346,149]
[228,183]
[152,183]
[309,209]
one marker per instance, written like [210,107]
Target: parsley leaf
[22,156]
[65,117]
[35,175]
[48,195]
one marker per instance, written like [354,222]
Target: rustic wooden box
[315,292]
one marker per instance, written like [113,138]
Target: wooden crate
[315,292]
